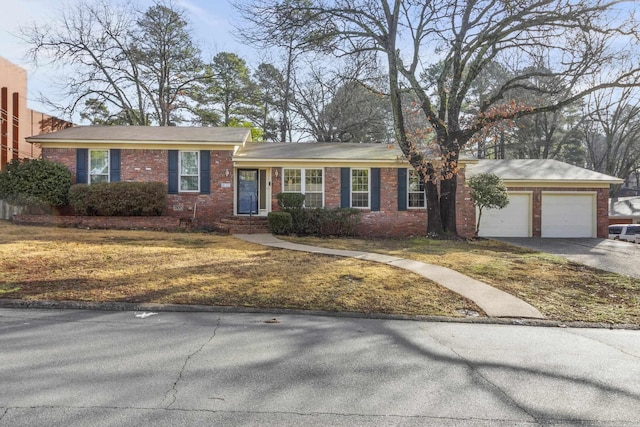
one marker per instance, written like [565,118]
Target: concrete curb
[180,308]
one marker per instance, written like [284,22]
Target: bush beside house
[37,185]
[295,218]
[119,199]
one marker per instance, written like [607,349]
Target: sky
[211,22]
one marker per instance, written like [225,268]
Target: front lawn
[45,263]
[560,289]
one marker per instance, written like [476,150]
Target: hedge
[35,183]
[119,198]
[280,222]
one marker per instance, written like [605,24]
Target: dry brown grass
[42,263]
[560,289]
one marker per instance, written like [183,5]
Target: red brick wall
[205,209]
[276,187]
[388,222]
[602,206]
[332,187]
[144,165]
[111,222]
[66,156]
[614,221]
[152,165]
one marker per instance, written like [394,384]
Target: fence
[7,211]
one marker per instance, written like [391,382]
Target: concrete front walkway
[494,302]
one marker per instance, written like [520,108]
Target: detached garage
[547,198]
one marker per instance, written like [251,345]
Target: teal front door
[247,191]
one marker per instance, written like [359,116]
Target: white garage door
[568,215]
[512,221]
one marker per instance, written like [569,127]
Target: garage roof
[540,170]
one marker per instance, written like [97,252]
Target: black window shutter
[345,187]
[82,165]
[205,172]
[375,189]
[114,165]
[173,171]
[402,189]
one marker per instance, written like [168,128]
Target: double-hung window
[98,166]
[306,181]
[313,188]
[189,163]
[415,189]
[360,188]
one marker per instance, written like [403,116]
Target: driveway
[605,254]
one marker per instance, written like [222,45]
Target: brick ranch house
[217,174]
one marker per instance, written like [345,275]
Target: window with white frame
[359,188]
[415,189]
[189,171]
[292,181]
[306,181]
[313,188]
[98,166]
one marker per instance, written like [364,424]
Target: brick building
[17,122]
[213,174]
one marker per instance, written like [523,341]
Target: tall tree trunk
[448,187]
[434,224]
[434,220]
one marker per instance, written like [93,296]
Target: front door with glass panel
[248,191]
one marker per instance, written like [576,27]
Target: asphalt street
[99,368]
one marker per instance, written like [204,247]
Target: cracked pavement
[77,368]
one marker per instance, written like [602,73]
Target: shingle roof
[146,133]
[624,206]
[538,170]
[319,151]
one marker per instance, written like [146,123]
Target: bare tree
[137,65]
[611,132]
[281,26]
[586,46]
